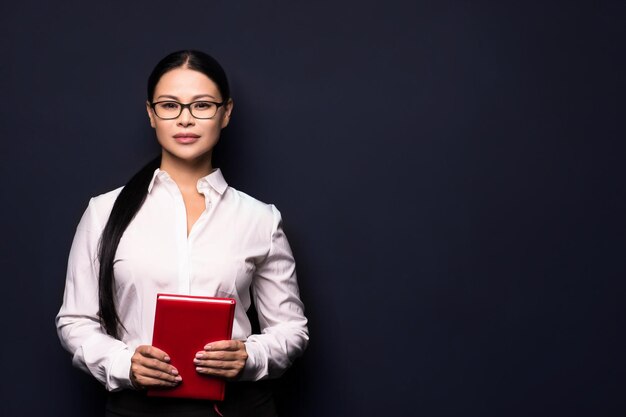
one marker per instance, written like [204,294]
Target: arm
[78,325]
[284,333]
[281,316]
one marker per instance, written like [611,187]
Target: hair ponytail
[126,206]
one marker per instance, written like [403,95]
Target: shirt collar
[157,173]
[214,180]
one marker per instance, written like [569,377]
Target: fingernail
[199,355]
[207,347]
[166,358]
[179,378]
[198,369]
[196,361]
[174,371]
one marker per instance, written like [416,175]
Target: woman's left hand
[225,359]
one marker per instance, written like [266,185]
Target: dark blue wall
[451,177]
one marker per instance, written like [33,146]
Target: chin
[190,157]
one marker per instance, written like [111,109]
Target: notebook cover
[183,325]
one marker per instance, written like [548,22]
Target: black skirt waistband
[242,399]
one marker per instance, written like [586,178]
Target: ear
[228,109]
[151,115]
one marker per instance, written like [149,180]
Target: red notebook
[183,325]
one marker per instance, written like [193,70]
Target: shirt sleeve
[284,333]
[78,326]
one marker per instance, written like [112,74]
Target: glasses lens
[203,109]
[167,109]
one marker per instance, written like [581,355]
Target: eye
[203,105]
[169,105]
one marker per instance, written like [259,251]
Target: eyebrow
[193,98]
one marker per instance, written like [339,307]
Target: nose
[185,118]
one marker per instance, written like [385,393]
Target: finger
[222,373]
[219,365]
[158,365]
[220,355]
[224,345]
[138,369]
[214,365]
[139,362]
[155,374]
[153,352]
[147,381]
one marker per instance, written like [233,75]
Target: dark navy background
[451,177]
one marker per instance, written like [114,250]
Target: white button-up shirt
[236,245]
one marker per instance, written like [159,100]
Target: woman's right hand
[149,368]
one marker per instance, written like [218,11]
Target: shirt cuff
[119,372]
[256,367]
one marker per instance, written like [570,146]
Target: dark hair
[132,196]
[195,60]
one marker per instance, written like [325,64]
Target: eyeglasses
[168,110]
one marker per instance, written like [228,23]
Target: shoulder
[106,199]
[100,207]
[252,208]
[104,202]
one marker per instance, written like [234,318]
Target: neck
[186,173]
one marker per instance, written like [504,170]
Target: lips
[186,137]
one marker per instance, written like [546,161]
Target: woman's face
[187,138]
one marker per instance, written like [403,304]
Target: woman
[177,227]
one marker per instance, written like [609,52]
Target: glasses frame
[184,106]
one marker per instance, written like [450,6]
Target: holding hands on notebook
[225,359]
[150,368]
